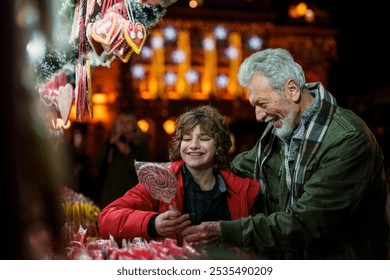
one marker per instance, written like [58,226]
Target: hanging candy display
[100,31]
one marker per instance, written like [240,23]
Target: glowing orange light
[169,126]
[101,113]
[297,11]
[143,125]
[301,9]
[99,98]
[147,95]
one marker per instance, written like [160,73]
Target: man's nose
[260,114]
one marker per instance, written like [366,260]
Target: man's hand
[170,222]
[205,233]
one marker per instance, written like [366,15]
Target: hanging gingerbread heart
[117,41]
[106,29]
[96,46]
[65,100]
[123,51]
[135,35]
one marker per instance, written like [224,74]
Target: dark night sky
[364,48]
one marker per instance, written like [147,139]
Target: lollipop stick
[172,207]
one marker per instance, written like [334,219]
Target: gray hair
[277,65]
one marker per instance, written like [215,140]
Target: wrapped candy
[138,249]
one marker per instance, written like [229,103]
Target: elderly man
[321,169]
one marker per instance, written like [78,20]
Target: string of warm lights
[184,63]
[235,55]
[156,80]
[182,79]
[222,47]
[210,65]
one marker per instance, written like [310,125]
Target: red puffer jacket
[128,217]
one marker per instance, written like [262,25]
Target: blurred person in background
[113,166]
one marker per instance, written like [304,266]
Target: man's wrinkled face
[271,106]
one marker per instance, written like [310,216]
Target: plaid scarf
[313,135]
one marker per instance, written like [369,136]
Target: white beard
[287,128]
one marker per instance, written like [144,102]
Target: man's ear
[293,90]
